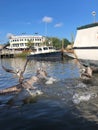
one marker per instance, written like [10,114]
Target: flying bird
[19,73]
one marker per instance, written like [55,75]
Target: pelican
[19,73]
[41,73]
[28,84]
[86,71]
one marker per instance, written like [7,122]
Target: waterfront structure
[86,42]
[21,42]
[1,46]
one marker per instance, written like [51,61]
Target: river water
[65,103]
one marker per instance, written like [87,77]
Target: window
[45,48]
[21,44]
[39,49]
[15,45]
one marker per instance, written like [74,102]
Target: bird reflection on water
[68,103]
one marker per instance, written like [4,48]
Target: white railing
[3,52]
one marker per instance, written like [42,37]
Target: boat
[86,43]
[44,53]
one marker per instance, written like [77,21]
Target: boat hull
[90,55]
[46,56]
[69,55]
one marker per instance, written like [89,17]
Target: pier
[7,53]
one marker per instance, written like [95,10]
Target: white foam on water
[81,85]
[77,98]
[50,80]
[35,92]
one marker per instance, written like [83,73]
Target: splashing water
[50,80]
[81,85]
[80,97]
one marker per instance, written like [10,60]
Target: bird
[41,73]
[27,84]
[17,72]
[86,73]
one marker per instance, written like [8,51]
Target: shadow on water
[66,104]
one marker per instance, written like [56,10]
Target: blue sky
[58,18]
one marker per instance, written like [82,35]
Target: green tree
[30,44]
[66,42]
[56,42]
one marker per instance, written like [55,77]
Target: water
[66,103]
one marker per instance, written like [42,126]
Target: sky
[53,18]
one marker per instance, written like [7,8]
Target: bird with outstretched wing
[19,73]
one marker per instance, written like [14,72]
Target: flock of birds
[85,74]
[28,85]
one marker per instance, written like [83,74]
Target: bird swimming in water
[86,73]
[41,73]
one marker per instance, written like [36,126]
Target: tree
[30,44]
[66,43]
[56,42]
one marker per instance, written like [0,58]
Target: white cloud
[58,25]
[47,19]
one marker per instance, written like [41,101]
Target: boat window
[39,49]
[50,47]
[34,50]
[45,48]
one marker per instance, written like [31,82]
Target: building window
[21,44]
[15,45]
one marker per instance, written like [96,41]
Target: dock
[7,53]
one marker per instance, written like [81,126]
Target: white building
[21,42]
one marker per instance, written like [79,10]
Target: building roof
[88,26]
[25,36]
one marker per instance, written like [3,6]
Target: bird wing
[25,66]
[8,70]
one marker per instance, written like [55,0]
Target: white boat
[44,53]
[86,43]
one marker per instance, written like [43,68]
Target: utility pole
[94,16]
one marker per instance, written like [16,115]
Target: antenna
[94,16]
